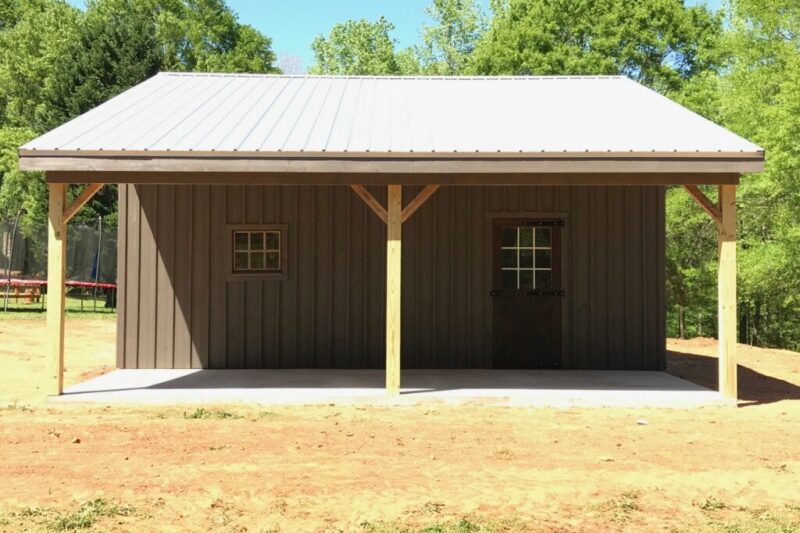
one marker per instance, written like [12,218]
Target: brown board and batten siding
[179,309]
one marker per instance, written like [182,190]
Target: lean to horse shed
[357,222]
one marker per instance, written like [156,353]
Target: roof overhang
[403,168]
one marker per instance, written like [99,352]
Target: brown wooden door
[526,293]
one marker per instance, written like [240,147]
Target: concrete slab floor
[531,388]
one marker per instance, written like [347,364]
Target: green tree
[33,45]
[660,43]
[357,47]
[756,95]
[448,43]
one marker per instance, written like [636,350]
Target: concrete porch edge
[526,388]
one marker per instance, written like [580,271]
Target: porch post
[727,293]
[56,274]
[393,273]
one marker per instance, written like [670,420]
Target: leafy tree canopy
[357,47]
[660,43]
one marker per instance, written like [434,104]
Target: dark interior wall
[177,310]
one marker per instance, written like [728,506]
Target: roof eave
[394,163]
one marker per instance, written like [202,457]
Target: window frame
[277,275]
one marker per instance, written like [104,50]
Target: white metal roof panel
[179,112]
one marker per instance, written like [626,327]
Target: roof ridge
[393,77]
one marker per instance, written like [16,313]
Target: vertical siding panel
[547,199]
[409,354]
[201,284]
[617,276]
[165,265]
[288,316]
[235,294]
[268,314]
[633,282]
[424,282]
[530,198]
[357,284]
[581,226]
[149,292]
[442,268]
[218,300]
[376,292]
[598,307]
[305,286]
[181,276]
[661,273]
[122,270]
[323,272]
[133,275]
[340,292]
[478,292]
[563,204]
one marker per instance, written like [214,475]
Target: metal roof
[240,114]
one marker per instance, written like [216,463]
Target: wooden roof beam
[705,202]
[72,209]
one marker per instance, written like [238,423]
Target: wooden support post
[393,274]
[56,274]
[727,293]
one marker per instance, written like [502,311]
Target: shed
[385,222]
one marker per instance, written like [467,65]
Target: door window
[527,257]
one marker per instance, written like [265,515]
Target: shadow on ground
[755,388]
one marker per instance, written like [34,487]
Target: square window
[256,251]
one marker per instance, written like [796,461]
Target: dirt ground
[424,468]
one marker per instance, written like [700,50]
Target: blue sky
[293,24]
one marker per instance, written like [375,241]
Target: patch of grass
[712,504]
[786,520]
[458,525]
[88,513]
[84,517]
[623,507]
[23,310]
[202,413]
[16,406]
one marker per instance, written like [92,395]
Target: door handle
[494,293]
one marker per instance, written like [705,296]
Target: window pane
[526,237]
[543,258]
[240,240]
[543,237]
[257,261]
[509,258]
[509,236]
[526,258]
[526,279]
[509,279]
[256,240]
[544,279]
[240,261]
[273,240]
[273,261]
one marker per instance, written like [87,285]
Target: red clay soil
[385,469]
